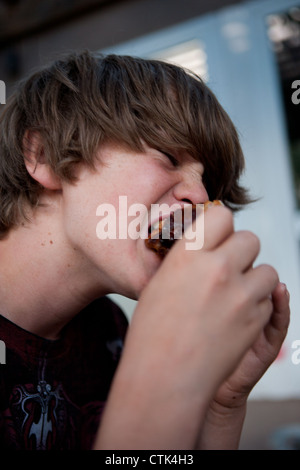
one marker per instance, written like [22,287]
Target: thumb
[212,226]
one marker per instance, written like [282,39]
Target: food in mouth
[163,234]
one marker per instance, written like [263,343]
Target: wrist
[223,427]
[220,412]
[229,404]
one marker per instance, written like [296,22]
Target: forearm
[162,388]
[222,429]
[150,414]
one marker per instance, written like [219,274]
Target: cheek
[79,215]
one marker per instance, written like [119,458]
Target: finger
[216,223]
[241,250]
[261,281]
[281,298]
[281,309]
[265,309]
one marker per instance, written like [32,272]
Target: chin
[144,265]
[138,288]
[142,281]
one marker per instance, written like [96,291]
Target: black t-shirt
[52,393]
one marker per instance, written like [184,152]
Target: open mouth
[163,233]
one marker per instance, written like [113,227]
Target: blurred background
[248,52]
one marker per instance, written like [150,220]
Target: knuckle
[271,274]
[242,299]
[223,215]
[226,214]
[265,310]
[221,269]
[252,240]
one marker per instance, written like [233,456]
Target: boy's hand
[252,291]
[235,390]
[194,323]
[226,412]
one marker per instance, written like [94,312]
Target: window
[284,33]
[190,55]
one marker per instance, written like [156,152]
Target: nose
[190,187]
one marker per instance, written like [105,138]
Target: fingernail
[285,289]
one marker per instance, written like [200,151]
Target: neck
[44,281]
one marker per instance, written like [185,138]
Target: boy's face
[101,219]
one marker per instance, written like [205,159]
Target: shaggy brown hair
[85,99]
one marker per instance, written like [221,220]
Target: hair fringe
[85,99]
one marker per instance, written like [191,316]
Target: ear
[35,161]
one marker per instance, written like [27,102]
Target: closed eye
[172,159]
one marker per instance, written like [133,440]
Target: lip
[183,208]
[166,215]
[159,223]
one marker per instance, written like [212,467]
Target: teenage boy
[74,136]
